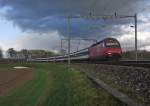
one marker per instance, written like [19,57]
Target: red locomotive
[108,48]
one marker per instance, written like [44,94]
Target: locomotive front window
[112,44]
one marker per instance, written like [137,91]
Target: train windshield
[112,43]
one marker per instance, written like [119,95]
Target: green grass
[56,85]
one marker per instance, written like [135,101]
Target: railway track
[139,63]
[114,92]
[145,64]
[121,76]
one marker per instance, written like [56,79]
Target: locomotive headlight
[109,53]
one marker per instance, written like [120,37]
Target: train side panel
[97,51]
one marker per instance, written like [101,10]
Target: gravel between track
[133,79]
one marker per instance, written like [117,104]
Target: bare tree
[12,53]
[24,53]
[1,54]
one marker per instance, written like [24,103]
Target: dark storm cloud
[49,15]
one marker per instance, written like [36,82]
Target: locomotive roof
[102,41]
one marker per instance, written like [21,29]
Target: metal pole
[78,45]
[135,19]
[69,41]
[61,46]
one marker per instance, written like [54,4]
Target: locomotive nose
[113,52]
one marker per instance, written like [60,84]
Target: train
[106,49]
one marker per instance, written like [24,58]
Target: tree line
[28,54]
[1,54]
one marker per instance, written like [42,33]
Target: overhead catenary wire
[115,16]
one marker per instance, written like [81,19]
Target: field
[45,84]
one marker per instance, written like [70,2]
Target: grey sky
[37,17]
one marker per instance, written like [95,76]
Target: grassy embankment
[55,85]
